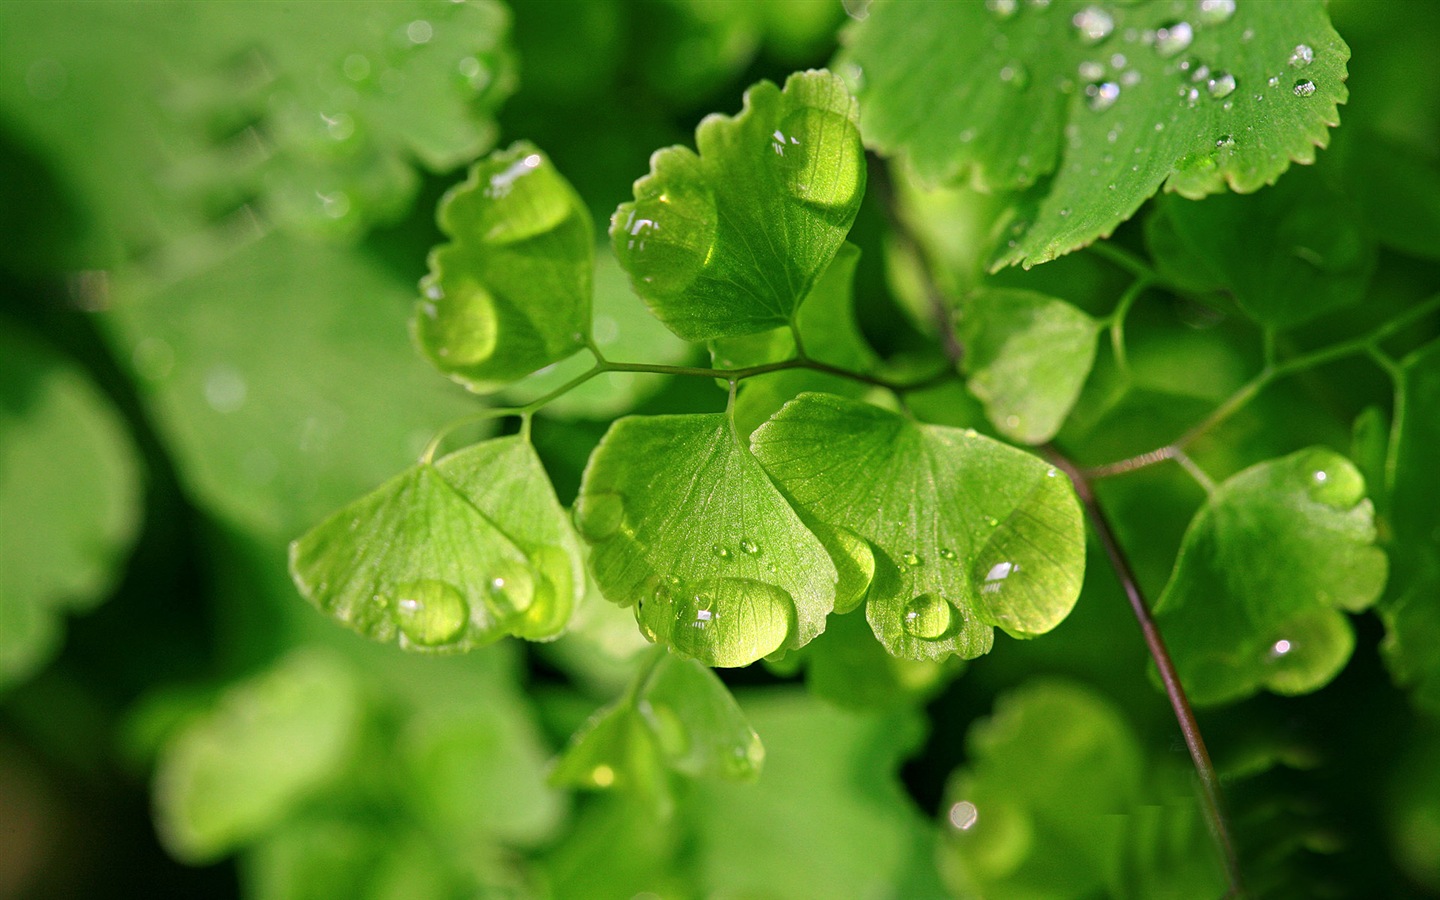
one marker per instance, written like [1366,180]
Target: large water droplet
[430,613]
[510,590]
[1093,24]
[1023,578]
[599,514]
[526,199]
[1333,481]
[460,329]
[666,236]
[1213,12]
[1173,38]
[1302,56]
[928,617]
[730,621]
[1304,87]
[1102,95]
[1222,85]
[821,155]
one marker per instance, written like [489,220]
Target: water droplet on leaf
[912,559]
[928,617]
[964,815]
[749,547]
[1173,38]
[822,159]
[1102,96]
[1302,56]
[1222,85]
[1093,24]
[598,515]
[1213,12]
[430,613]
[1304,87]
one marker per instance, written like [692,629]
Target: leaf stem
[1367,344]
[1209,783]
[1124,259]
[1116,320]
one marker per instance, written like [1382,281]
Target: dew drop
[1093,24]
[912,558]
[1213,12]
[1225,141]
[722,552]
[511,589]
[821,157]
[927,617]
[1304,87]
[1002,9]
[1015,74]
[1222,85]
[1102,95]
[1273,81]
[946,553]
[1173,38]
[964,815]
[730,621]
[1302,56]
[430,613]
[1280,648]
[599,514]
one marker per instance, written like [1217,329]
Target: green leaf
[678,716]
[1057,800]
[624,331]
[1093,107]
[1266,571]
[827,327]
[69,499]
[416,561]
[511,291]
[1412,619]
[968,533]
[848,667]
[841,824]
[1026,357]
[686,527]
[731,240]
[271,426]
[505,481]
[268,744]
[1288,254]
[1037,812]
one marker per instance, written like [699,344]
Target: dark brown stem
[1169,677]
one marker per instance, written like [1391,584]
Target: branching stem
[1169,677]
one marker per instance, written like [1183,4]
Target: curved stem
[1169,677]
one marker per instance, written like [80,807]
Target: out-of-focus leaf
[1410,611]
[1267,570]
[1026,357]
[968,533]
[279,381]
[511,291]
[731,240]
[268,745]
[685,526]
[1095,106]
[828,817]
[1288,254]
[69,499]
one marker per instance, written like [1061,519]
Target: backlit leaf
[1093,106]
[1266,572]
[729,241]
[968,533]
[511,291]
[686,527]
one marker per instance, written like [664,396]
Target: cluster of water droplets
[433,613]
